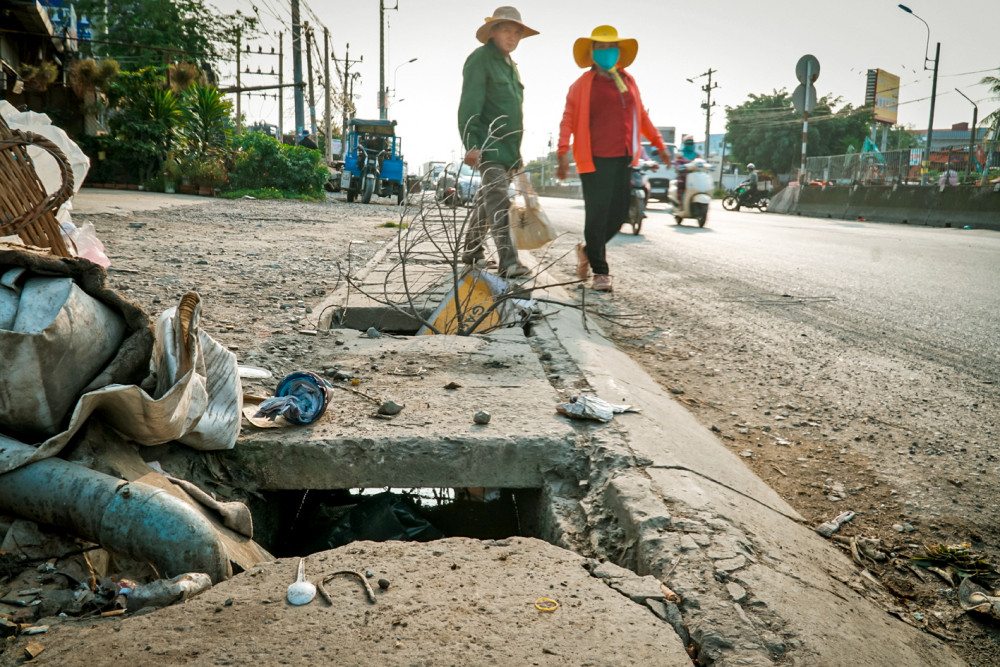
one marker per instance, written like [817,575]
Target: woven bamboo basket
[25,208]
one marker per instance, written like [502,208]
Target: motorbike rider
[748,188]
[686,154]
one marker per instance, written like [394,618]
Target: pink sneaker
[602,284]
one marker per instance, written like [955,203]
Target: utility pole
[281,88]
[347,98]
[707,106]
[327,152]
[309,66]
[239,121]
[297,68]
[383,111]
[930,123]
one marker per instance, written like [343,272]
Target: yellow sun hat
[582,48]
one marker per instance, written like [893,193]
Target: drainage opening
[303,522]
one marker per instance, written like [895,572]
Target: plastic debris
[301,398]
[302,591]
[165,592]
[828,528]
[974,597]
[591,407]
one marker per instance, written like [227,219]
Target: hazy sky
[752,46]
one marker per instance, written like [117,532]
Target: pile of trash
[86,379]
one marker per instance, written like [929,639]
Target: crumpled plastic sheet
[592,407]
[197,399]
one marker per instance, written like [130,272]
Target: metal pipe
[139,520]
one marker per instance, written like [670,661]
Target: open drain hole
[303,522]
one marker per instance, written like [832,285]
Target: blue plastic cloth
[301,398]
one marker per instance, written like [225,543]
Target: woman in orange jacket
[605,116]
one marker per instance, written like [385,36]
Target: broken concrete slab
[434,441]
[452,601]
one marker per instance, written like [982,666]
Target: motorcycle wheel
[368,191]
[635,215]
[351,194]
[729,203]
[762,204]
[700,213]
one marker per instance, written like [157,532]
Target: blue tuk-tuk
[373,161]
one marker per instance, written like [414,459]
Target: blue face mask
[606,58]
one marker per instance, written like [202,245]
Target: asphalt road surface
[929,289]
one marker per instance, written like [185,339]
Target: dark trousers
[491,213]
[605,199]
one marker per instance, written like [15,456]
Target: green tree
[901,137]
[992,120]
[137,32]
[767,131]
[144,122]
[205,121]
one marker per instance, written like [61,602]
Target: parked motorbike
[639,194]
[743,195]
[370,163]
[697,192]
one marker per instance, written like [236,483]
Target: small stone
[373,333]
[338,341]
[746,453]
[383,584]
[898,527]
[481,417]
[390,408]
[736,592]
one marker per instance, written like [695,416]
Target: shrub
[261,162]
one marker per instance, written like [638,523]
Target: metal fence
[901,166]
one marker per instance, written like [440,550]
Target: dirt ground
[832,424]
[835,421]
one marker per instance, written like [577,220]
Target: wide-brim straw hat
[501,14]
[582,48]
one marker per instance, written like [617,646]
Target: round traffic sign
[807,62]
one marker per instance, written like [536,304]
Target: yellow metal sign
[466,305]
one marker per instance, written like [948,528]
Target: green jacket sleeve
[471,126]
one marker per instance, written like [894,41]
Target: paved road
[935,291]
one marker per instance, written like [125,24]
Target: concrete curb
[757,586]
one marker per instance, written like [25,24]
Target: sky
[751,47]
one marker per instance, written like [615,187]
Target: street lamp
[930,123]
[386,95]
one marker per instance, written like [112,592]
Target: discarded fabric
[591,407]
[301,398]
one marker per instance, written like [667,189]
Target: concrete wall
[916,205]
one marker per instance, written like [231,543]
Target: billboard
[882,94]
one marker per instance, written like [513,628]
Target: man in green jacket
[490,123]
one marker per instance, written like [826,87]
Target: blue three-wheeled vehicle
[373,161]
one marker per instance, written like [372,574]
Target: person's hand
[562,171]
[664,155]
[472,157]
